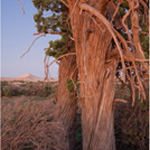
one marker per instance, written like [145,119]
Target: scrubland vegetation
[16,88]
[28,120]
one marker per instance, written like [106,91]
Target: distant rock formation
[26,77]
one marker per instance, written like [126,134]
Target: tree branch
[61,57]
[120,100]
[64,3]
[21,7]
[55,33]
[32,44]
[116,11]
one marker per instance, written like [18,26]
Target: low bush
[7,91]
[131,123]
[30,126]
[27,88]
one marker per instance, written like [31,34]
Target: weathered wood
[66,107]
[97,81]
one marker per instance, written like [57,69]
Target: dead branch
[116,11]
[60,58]
[45,49]
[128,53]
[64,3]
[125,26]
[141,60]
[135,30]
[21,7]
[72,38]
[120,100]
[144,4]
[47,73]
[55,33]
[97,24]
[32,44]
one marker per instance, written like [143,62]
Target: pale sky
[16,37]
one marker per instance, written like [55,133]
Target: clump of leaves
[56,22]
[71,87]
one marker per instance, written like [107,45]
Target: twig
[116,11]
[144,4]
[120,100]
[21,7]
[61,57]
[47,74]
[32,44]
[125,26]
[141,60]
[45,49]
[97,24]
[64,3]
[72,38]
[144,32]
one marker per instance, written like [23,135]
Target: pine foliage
[53,17]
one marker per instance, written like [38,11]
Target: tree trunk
[66,106]
[96,74]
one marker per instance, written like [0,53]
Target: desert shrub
[4,83]
[7,91]
[28,88]
[30,125]
[131,123]
[132,128]
[47,90]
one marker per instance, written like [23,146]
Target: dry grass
[29,125]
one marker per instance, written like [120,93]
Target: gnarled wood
[95,40]
[92,45]
[66,107]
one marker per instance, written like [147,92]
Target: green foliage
[56,21]
[70,85]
